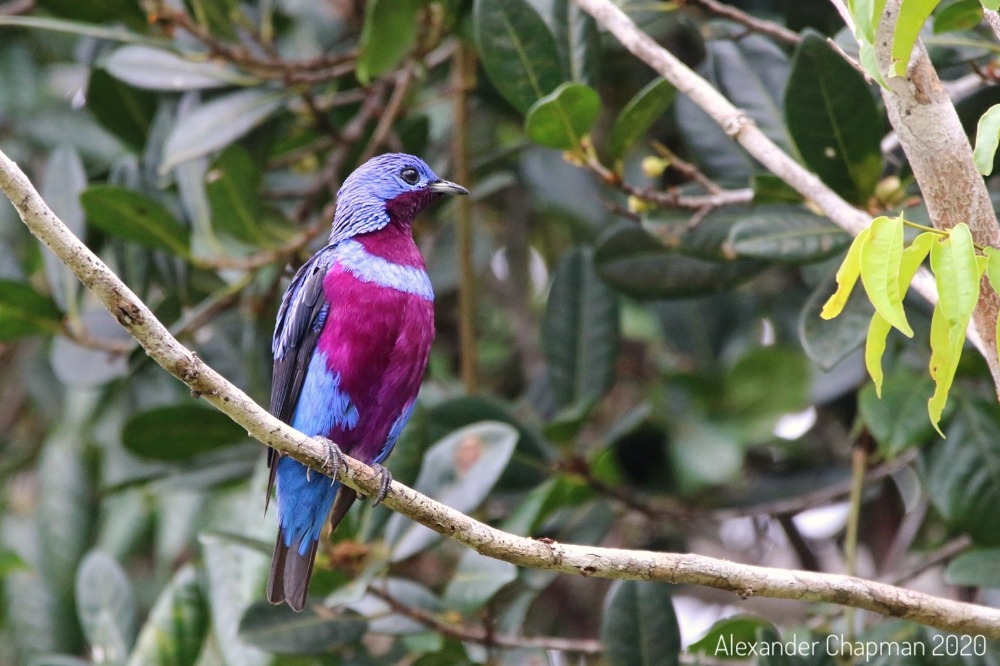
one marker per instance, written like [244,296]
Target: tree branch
[203,381]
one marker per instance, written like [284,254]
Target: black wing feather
[300,319]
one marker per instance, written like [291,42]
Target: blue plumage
[350,348]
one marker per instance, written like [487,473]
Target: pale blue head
[391,187]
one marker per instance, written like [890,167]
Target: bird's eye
[409,175]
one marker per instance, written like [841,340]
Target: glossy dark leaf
[637,264]
[389,33]
[832,117]
[563,117]
[644,109]
[281,630]
[23,311]
[125,111]
[131,216]
[517,50]
[180,431]
[795,239]
[580,335]
[96,12]
[898,420]
[105,605]
[232,184]
[638,626]
[975,568]
[829,341]
[578,41]
[218,123]
[177,625]
[959,15]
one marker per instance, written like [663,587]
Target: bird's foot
[334,458]
[385,480]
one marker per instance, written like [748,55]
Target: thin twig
[755,24]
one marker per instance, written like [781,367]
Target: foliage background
[647,370]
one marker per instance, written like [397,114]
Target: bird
[350,348]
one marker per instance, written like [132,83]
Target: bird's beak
[446,187]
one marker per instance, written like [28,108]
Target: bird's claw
[385,480]
[333,459]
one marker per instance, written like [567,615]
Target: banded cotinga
[350,349]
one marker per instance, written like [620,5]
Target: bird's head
[388,188]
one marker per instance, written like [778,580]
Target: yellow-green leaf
[878,331]
[944,362]
[912,14]
[847,276]
[881,255]
[953,260]
[993,273]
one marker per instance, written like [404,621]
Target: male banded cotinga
[350,349]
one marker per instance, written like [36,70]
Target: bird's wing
[301,317]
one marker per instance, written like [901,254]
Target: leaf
[912,15]
[753,412]
[114,34]
[281,630]
[639,114]
[878,331]
[826,341]
[23,312]
[987,139]
[730,635]
[962,473]
[458,471]
[787,239]
[62,181]
[105,605]
[847,277]
[159,69]
[975,568]
[380,615]
[867,14]
[96,12]
[960,15]
[993,274]
[517,50]
[179,431]
[232,184]
[217,124]
[831,115]
[177,625]
[637,264]
[881,254]
[580,336]
[134,217]
[563,117]
[121,109]
[992,5]
[638,625]
[388,35]
[896,417]
[85,367]
[577,39]
[475,580]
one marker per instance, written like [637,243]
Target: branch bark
[678,568]
[742,129]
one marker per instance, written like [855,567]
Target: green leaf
[218,123]
[114,34]
[867,14]
[96,12]
[179,431]
[517,50]
[992,5]
[177,625]
[896,418]
[912,15]
[987,139]
[388,35]
[134,217]
[639,114]
[638,626]
[975,568]
[831,115]
[962,473]
[105,605]
[787,239]
[159,69]
[993,274]
[458,471]
[580,336]
[753,412]
[881,254]
[829,341]
[23,311]
[637,264]
[232,184]
[847,277]
[121,109]
[475,580]
[563,117]
[960,15]
[577,39]
[729,637]
[281,630]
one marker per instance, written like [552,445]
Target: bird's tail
[290,570]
